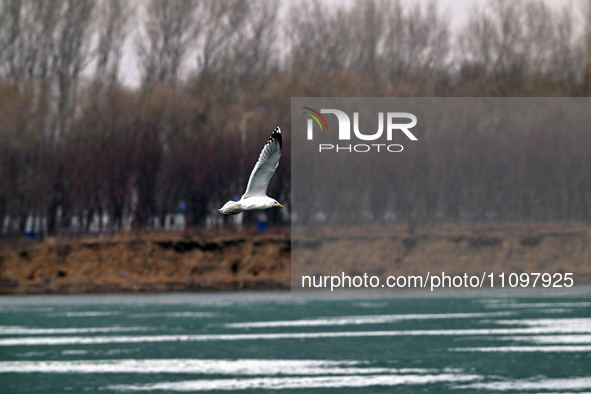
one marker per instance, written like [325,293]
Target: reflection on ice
[307,382]
[524,349]
[367,319]
[534,384]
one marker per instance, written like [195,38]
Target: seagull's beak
[281,206]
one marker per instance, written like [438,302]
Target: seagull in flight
[255,197]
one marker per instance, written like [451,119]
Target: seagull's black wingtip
[276,135]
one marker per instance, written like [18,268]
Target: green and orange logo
[316,116]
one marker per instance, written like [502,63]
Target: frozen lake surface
[266,341]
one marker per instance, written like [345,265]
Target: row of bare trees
[477,160]
[80,140]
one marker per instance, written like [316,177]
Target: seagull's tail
[230,208]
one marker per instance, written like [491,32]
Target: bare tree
[167,34]
[567,55]
[416,42]
[222,24]
[10,14]
[318,38]
[112,32]
[253,53]
[366,21]
[585,47]
[71,55]
[517,44]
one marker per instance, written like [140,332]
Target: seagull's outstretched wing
[265,166]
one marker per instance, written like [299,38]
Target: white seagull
[255,196]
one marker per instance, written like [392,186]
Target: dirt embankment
[179,264]
[453,252]
[264,262]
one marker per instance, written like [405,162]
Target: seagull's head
[276,204]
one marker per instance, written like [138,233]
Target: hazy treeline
[477,160]
[77,142]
